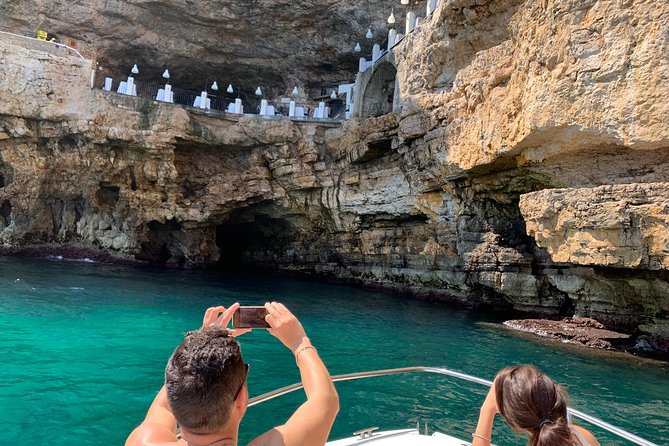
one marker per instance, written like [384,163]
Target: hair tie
[546,421]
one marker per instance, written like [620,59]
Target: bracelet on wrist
[475,435]
[300,350]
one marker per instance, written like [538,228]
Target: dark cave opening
[107,195]
[158,248]
[254,244]
[5,213]
[6,175]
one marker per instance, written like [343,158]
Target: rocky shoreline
[591,333]
[67,252]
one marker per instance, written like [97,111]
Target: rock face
[523,167]
[621,226]
[250,43]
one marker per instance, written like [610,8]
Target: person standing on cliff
[206,391]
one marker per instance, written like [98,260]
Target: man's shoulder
[153,434]
[272,437]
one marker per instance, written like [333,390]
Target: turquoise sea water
[83,349]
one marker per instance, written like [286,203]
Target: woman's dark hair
[203,378]
[530,401]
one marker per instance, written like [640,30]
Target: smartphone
[250,317]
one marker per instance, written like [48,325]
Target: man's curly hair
[203,376]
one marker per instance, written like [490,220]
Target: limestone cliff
[272,44]
[524,168]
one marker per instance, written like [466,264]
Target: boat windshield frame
[571,412]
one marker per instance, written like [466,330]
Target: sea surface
[83,348]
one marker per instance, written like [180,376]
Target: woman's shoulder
[584,435]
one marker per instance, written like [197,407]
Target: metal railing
[218,106]
[571,413]
[149,90]
[57,49]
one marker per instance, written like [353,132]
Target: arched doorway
[381,92]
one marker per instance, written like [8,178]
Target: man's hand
[310,424]
[284,325]
[220,316]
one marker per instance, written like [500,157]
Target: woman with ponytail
[529,401]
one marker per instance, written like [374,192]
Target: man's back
[203,390]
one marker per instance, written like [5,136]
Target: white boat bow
[412,437]
[402,437]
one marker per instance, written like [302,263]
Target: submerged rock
[577,330]
[589,332]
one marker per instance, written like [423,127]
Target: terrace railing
[149,90]
[57,49]
[186,98]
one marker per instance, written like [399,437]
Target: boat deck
[402,437]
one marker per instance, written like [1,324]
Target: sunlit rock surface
[525,168]
[621,226]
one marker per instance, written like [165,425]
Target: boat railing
[571,413]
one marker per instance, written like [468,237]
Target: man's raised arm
[159,428]
[311,423]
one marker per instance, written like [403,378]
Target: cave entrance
[381,93]
[6,175]
[5,213]
[259,242]
[107,195]
[161,247]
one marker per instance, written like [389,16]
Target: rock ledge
[577,330]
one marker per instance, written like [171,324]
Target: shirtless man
[205,389]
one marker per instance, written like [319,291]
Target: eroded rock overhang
[458,195]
